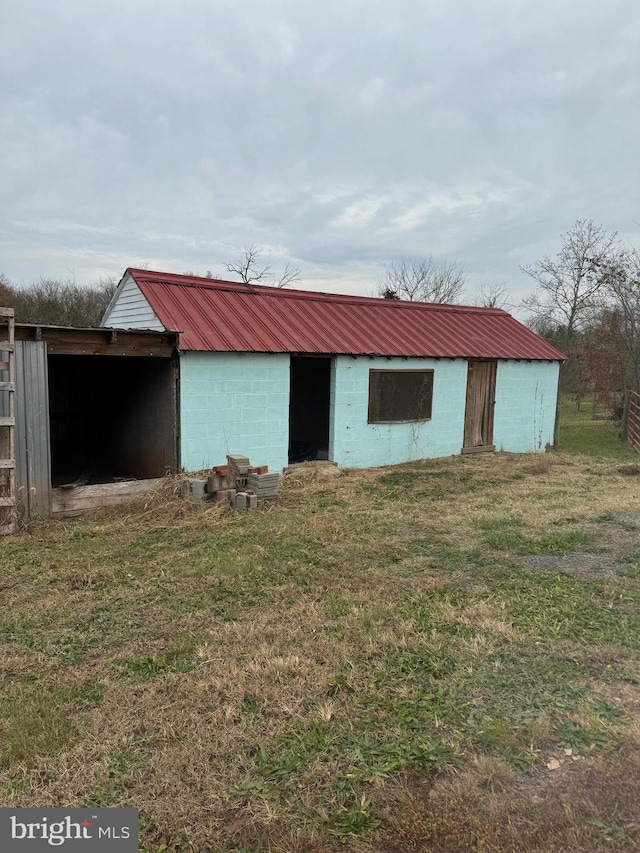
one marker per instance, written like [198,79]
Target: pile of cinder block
[240,484]
[264,484]
[221,485]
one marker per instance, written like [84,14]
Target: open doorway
[111,418]
[309,408]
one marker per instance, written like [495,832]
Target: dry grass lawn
[371,665]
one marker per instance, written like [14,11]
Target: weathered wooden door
[478,418]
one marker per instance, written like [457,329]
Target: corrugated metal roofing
[223,316]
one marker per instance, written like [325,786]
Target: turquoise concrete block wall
[234,403]
[525,410]
[353,443]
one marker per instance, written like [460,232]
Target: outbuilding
[287,374]
[96,415]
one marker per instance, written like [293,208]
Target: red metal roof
[224,316]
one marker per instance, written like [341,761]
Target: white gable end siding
[130,309]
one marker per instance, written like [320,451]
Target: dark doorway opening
[309,408]
[111,418]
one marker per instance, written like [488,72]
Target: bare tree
[251,271]
[493,294]
[570,284]
[422,280]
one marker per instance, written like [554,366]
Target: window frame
[375,370]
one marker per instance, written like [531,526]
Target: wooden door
[478,418]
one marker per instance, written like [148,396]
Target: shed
[286,374]
[96,415]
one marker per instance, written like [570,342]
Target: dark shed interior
[309,408]
[111,418]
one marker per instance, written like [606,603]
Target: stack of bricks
[238,468]
[264,484]
[241,484]
[221,484]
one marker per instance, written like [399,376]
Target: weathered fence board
[632,419]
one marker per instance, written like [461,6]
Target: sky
[340,136]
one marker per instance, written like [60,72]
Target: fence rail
[632,419]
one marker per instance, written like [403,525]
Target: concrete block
[268,477]
[194,490]
[216,483]
[242,500]
[238,466]
[237,459]
[227,496]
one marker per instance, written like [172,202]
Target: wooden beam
[72,502]
[72,341]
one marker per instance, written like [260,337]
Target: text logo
[36,830]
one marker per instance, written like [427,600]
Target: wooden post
[556,425]
[7,424]
[625,416]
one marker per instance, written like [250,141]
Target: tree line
[58,302]
[586,301]
[64,302]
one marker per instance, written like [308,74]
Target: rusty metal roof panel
[223,316]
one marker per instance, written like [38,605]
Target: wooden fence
[631,419]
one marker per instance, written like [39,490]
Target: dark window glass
[397,396]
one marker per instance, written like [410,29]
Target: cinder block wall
[353,443]
[234,403]
[525,410]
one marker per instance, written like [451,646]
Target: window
[400,396]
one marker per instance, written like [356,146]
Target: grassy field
[580,433]
[441,656]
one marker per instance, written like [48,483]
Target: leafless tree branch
[422,280]
[251,272]
[290,275]
[246,266]
[493,294]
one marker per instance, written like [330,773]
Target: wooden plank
[121,348]
[7,312]
[6,346]
[7,422]
[480,399]
[7,463]
[633,418]
[7,386]
[556,425]
[101,341]
[7,501]
[487,448]
[72,502]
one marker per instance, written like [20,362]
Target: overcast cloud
[340,135]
